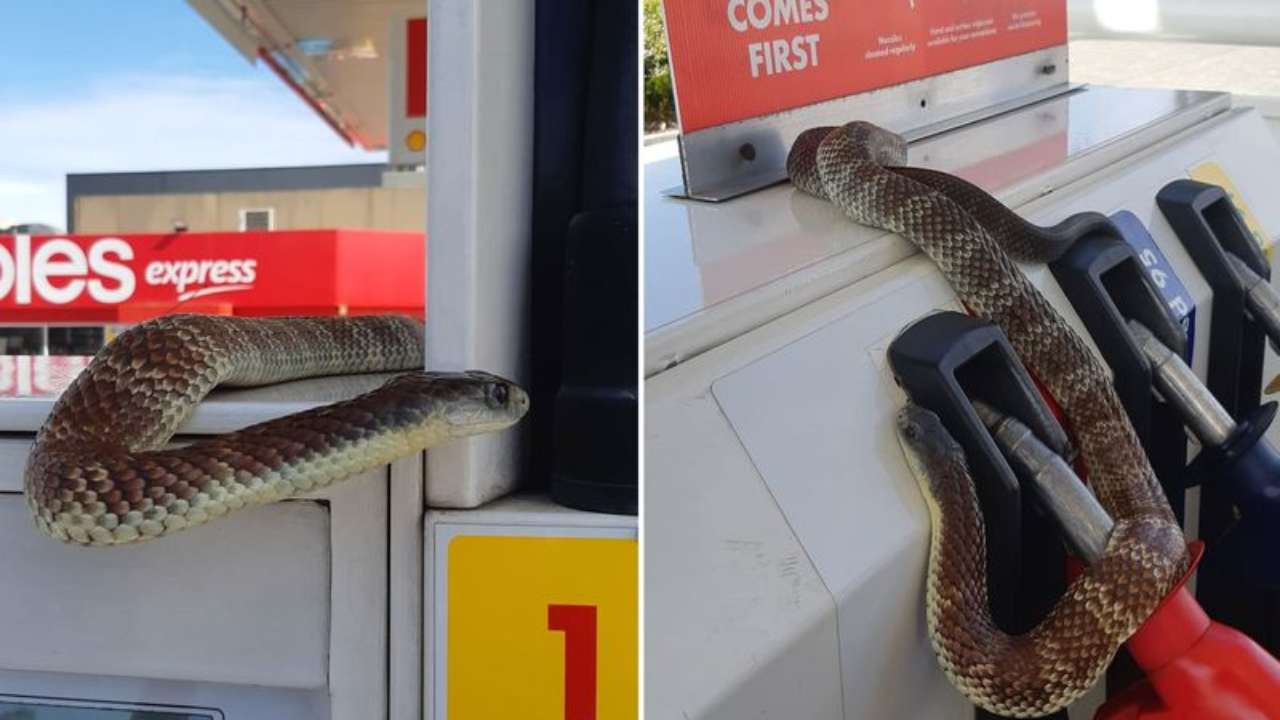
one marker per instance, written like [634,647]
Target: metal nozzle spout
[1199,409]
[1262,300]
[1084,522]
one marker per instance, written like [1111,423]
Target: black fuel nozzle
[1240,477]
[1236,459]
[1108,283]
[1220,244]
[944,362]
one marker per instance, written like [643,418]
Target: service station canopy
[340,56]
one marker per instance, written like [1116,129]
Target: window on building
[257,219]
[21,341]
[76,340]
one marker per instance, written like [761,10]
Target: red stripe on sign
[416,69]
[578,623]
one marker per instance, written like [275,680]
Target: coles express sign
[111,270]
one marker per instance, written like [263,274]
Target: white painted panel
[405,601]
[234,702]
[480,71]
[13,458]
[225,410]
[358,630]
[816,417]
[737,621]
[242,600]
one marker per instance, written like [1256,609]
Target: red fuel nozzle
[1196,669]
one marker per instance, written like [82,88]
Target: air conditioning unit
[257,219]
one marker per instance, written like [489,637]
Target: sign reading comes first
[784,54]
[735,59]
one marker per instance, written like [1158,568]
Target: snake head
[880,145]
[458,404]
[925,440]
[485,402]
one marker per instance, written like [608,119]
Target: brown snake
[99,472]
[1047,668]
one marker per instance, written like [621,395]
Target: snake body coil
[969,237]
[98,473]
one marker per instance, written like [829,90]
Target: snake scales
[969,235]
[99,473]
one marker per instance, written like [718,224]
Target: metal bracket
[733,159]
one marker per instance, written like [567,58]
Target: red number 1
[578,623]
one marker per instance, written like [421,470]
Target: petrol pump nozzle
[1201,411]
[1196,669]
[1263,305]
[1262,300]
[1083,521]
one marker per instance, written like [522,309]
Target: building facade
[290,198]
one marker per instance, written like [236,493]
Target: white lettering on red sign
[779,55]
[60,271]
[223,275]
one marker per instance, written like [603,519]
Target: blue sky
[123,85]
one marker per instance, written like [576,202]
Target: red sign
[407,63]
[735,59]
[416,68]
[126,278]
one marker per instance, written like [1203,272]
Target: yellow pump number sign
[542,628]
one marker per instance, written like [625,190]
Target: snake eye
[498,395]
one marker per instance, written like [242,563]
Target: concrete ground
[1239,69]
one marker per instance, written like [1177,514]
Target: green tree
[659,100]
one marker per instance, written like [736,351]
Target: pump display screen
[15,708]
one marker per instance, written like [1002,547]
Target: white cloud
[156,122]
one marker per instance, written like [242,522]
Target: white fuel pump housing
[786,540]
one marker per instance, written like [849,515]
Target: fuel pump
[1195,667]
[1106,282]
[1236,459]
[943,360]
[964,370]
[1239,471]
